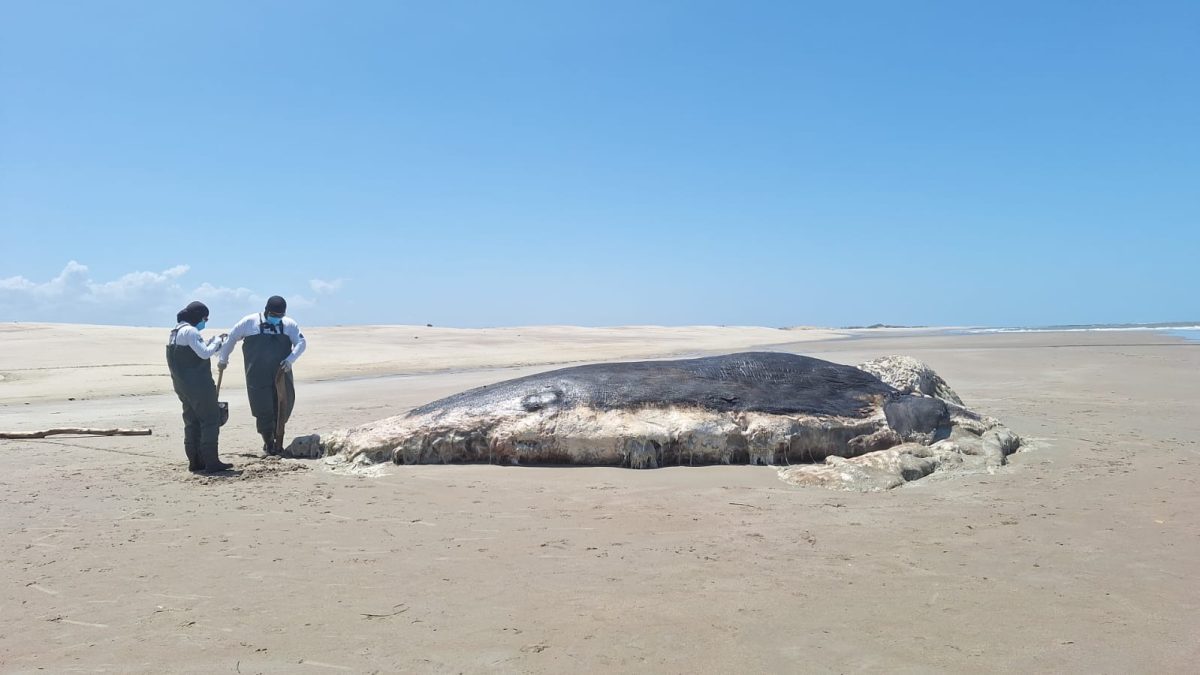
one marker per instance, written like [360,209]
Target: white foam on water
[1082,329]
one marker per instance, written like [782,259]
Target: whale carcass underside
[867,427]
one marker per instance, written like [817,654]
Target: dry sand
[1081,556]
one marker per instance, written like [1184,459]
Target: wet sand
[1079,556]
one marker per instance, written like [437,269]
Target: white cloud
[322,287]
[74,296]
[138,298]
[299,302]
[16,284]
[133,287]
[209,294]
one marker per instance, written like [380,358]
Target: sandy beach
[1080,556]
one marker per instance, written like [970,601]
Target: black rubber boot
[269,444]
[212,462]
[193,455]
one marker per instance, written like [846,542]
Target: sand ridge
[58,361]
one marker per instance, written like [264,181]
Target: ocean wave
[1081,329]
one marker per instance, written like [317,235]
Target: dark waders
[193,382]
[263,354]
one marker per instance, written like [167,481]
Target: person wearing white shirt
[271,343]
[188,357]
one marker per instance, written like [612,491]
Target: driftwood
[75,431]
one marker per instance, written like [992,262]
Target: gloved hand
[221,365]
[285,366]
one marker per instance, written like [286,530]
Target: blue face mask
[274,320]
[202,324]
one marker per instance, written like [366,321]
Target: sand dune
[57,361]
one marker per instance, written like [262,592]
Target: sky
[601,163]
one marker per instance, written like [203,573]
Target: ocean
[1190,335]
[1188,330]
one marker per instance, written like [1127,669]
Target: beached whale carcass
[751,408]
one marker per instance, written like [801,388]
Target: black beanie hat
[194,313]
[276,305]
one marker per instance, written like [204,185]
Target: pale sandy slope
[56,361]
[1080,557]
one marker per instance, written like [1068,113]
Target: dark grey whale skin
[766,382]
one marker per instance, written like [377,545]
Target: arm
[299,344]
[192,339]
[244,328]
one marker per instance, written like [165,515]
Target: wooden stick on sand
[75,431]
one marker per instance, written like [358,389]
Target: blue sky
[506,163]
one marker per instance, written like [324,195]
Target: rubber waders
[271,390]
[191,377]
